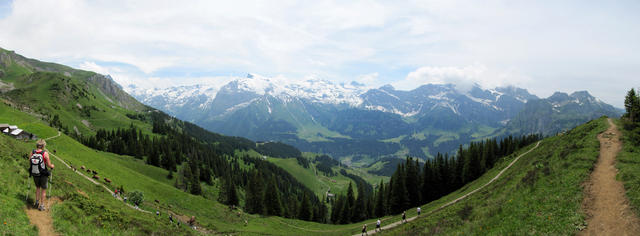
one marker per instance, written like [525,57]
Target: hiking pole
[51,183]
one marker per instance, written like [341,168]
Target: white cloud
[545,40]
[92,66]
[370,79]
[464,78]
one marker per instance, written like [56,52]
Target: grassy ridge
[540,194]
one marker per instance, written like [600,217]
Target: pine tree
[412,182]
[304,213]
[347,210]
[272,198]
[380,209]
[232,198]
[632,106]
[399,199]
[360,209]
[254,202]
[336,209]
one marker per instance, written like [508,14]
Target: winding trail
[49,231]
[605,201]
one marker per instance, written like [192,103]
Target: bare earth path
[42,219]
[605,202]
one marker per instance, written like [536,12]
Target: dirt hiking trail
[42,219]
[607,208]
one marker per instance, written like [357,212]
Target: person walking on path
[378,229]
[39,168]
[419,210]
[404,217]
[364,230]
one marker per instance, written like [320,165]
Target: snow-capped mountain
[351,121]
[560,112]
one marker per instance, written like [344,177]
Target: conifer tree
[360,209]
[412,182]
[254,202]
[399,199]
[380,209]
[304,213]
[272,198]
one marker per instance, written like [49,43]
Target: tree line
[631,118]
[414,183]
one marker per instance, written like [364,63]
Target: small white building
[16,132]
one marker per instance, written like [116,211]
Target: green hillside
[319,182]
[539,194]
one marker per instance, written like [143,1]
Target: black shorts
[41,181]
[377,226]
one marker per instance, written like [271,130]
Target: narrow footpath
[42,219]
[44,222]
[605,201]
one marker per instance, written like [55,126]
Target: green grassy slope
[85,208]
[320,183]
[628,164]
[540,194]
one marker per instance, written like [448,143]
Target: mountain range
[359,125]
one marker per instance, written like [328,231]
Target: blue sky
[544,46]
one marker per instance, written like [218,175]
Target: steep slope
[542,193]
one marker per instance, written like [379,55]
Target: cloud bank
[541,45]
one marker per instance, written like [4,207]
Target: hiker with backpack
[39,165]
[364,230]
[404,217]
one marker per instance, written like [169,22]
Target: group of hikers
[379,223]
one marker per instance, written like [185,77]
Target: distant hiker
[157,213]
[39,162]
[124,199]
[364,230]
[378,226]
[404,217]
[171,218]
[192,222]
[419,210]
